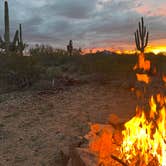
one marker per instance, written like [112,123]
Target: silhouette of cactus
[141,36]
[17,43]
[7,27]
[70,47]
[21,45]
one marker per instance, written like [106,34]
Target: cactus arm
[15,38]
[1,41]
[21,44]
[138,40]
[21,40]
[147,37]
[142,21]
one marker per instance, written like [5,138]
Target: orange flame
[164,78]
[142,63]
[100,141]
[144,136]
[143,78]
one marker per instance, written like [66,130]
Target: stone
[82,157]
[114,119]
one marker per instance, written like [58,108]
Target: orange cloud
[152,10]
[152,48]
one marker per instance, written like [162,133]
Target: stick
[119,160]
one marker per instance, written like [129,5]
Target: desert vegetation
[49,95]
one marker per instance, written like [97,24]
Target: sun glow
[157,50]
[154,49]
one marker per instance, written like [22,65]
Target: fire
[164,78]
[142,63]
[100,141]
[143,78]
[144,136]
[143,139]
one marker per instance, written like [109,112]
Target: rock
[116,122]
[114,119]
[82,157]
[97,129]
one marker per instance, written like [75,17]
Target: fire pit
[141,141]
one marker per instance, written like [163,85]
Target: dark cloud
[78,9]
[88,22]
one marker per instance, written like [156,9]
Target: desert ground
[35,127]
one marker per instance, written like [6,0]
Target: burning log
[119,160]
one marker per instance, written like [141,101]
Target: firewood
[119,160]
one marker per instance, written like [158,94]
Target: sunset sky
[89,23]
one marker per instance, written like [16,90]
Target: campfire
[144,137]
[141,141]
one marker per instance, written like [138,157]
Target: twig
[119,160]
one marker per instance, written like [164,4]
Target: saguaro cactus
[70,47]
[7,27]
[141,36]
[141,40]
[21,45]
[17,43]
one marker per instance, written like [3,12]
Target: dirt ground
[35,127]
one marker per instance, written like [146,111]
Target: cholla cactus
[70,47]
[141,36]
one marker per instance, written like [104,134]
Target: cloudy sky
[89,23]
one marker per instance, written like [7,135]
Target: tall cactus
[17,44]
[7,27]
[70,47]
[141,36]
[21,45]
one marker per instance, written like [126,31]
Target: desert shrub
[46,50]
[20,72]
[23,71]
[53,72]
[41,50]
